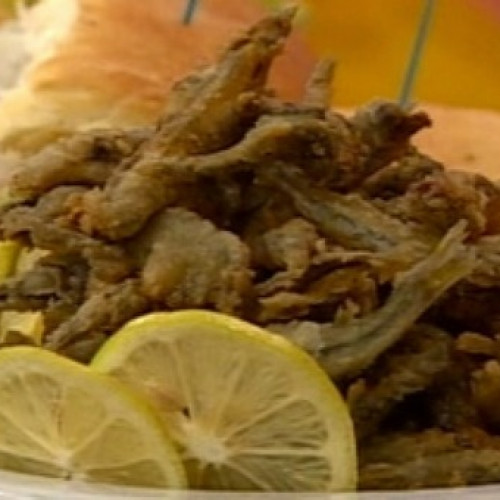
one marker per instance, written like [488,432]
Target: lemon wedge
[60,419]
[28,325]
[9,253]
[247,409]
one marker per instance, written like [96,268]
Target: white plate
[21,487]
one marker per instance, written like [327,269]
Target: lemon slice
[30,325]
[15,259]
[27,323]
[60,419]
[248,410]
[9,253]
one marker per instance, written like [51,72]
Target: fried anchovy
[455,468]
[395,447]
[108,262]
[191,263]
[292,137]
[487,273]
[83,158]
[50,206]
[185,92]
[288,138]
[485,391]
[103,313]
[410,367]
[298,138]
[386,128]
[347,219]
[450,402]
[210,123]
[31,291]
[395,179]
[54,283]
[319,87]
[345,350]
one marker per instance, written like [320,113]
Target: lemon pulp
[60,419]
[248,410]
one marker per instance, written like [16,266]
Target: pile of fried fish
[332,231]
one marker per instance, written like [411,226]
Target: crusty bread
[111,62]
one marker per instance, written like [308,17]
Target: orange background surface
[371,40]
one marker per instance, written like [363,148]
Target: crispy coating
[101,314]
[211,122]
[192,264]
[331,230]
[108,262]
[386,129]
[318,94]
[53,279]
[440,200]
[428,459]
[395,178]
[351,287]
[86,158]
[345,350]
[410,367]
[449,469]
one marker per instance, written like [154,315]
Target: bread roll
[98,63]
